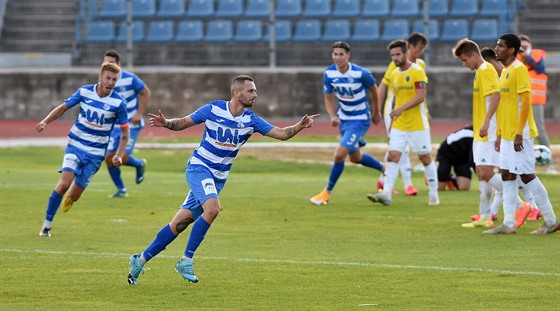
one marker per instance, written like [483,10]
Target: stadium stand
[201,8]
[376,8]
[493,8]
[257,8]
[282,31]
[307,30]
[219,31]
[484,30]
[454,29]
[101,31]
[317,8]
[464,8]
[143,8]
[438,8]
[171,9]
[336,30]
[366,30]
[405,8]
[190,31]
[346,8]
[248,31]
[160,31]
[138,31]
[433,27]
[288,8]
[229,8]
[113,9]
[394,29]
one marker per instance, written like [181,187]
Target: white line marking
[299,262]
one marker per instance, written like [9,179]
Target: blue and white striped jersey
[129,86]
[224,134]
[97,116]
[350,89]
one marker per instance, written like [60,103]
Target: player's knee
[183,224]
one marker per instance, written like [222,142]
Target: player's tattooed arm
[176,124]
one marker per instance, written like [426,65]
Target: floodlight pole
[129,34]
[271,36]
[426,28]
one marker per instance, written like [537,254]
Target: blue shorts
[81,165]
[351,132]
[115,139]
[203,187]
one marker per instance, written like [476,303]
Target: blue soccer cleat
[136,266]
[185,268]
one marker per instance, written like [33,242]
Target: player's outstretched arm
[290,131]
[53,115]
[176,124]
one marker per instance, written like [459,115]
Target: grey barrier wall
[283,92]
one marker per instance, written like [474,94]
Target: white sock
[405,169]
[527,195]
[430,173]
[510,198]
[47,224]
[497,202]
[391,173]
[541,197]
[485,198]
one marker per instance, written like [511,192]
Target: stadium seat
[160,31]
[307,30]
[282,31]
[405,8]
[464,8]
[366,30]
[433,25]
[113,9]
[438,8]
[137,31]
[454,29]
[394,29]
[257,8]
[171,9]
[219,31]
[101,31]
[189,31]
[248,31]
[346,8]
[229,8]
[485,30]
[376,8]
[317,8]
[143,8]
[336,30]
[494,8]
[288,8]
[201,8]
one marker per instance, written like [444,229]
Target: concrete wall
[283,92]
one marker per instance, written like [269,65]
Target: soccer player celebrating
[410,125]
[228,125]
[137,94]
[516,130]
[348,83]
[100,110]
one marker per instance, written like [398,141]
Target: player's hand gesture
[156,120]
[40,126]
[307,121]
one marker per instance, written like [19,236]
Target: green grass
[269,249]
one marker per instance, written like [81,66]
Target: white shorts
[484,153]
[419,141]
[520,163]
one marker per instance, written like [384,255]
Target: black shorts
[462,169]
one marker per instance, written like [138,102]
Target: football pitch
[270,248]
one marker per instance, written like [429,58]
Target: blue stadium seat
[219,31]
[485,30]
[137,31]
[405,8]
[143,8]
[494,8]
[101,31]
[288,8]
[376,8]
[336,30]
[171,9]
[113,9]
[201,8]
[346,8]
[317,8]
[282,31]
[307,30]
[438,8]
[248,31]
[454,29]
[229,8]
[433,26]
[366,30]
[190,31]
[257,8]
[464,8]
[160,31]
[394,29]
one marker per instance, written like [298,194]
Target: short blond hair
[111,67]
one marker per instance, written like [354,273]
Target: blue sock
[369,161]
[115,174]
[132,161]
[54,204]
[199,229]
[163,238]
[336,171]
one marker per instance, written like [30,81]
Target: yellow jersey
[514,80]
[388,105]
[485,84]
[404,84]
